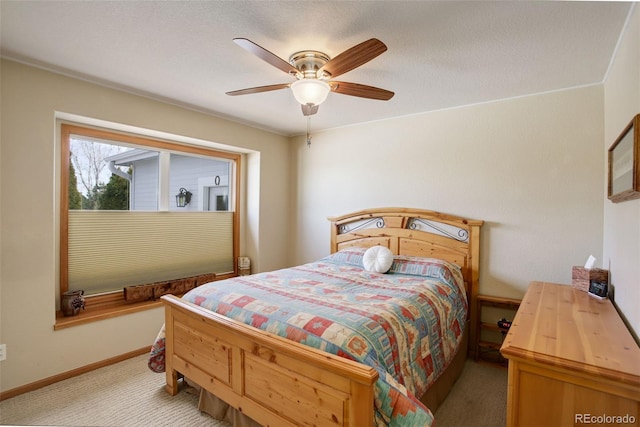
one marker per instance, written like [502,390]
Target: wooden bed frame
[278,382]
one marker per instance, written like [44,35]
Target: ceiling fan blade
[353,57]
[267,56]
[309,109]
[259,89]
[363,91]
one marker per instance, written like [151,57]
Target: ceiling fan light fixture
[310,91]
[313,69]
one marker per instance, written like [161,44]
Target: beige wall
[31,100]
[532,168]
[621,252]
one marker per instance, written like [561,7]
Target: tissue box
[580,277]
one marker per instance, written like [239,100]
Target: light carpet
[129,394]
[478,398]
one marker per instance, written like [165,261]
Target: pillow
[346,256]
[428,267]
[377,259]
[418,266]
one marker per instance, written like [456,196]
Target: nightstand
[487,347]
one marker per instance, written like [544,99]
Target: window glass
[142,211]
[205,179]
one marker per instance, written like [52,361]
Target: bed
[279,362]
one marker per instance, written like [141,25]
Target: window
[123,222]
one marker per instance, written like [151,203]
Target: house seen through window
[140,211]
[113,177]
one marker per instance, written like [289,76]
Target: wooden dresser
[572,361]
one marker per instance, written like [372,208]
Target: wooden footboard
[275,381]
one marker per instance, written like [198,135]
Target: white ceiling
[440,54]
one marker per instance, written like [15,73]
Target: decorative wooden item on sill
[624,164]
[153,291]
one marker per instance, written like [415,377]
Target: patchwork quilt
[407,323]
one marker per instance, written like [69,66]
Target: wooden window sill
[93,314]
[106,306]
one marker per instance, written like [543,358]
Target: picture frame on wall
[624,164]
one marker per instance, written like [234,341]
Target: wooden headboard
[416,232]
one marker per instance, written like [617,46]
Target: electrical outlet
[3,352]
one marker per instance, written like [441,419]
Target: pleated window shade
[112,249]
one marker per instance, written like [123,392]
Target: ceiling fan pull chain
[308,131]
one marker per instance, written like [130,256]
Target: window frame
[112,304]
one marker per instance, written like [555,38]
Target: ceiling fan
[314,71]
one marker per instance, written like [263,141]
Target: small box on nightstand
[581,277]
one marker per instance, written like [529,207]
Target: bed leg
[172,382]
